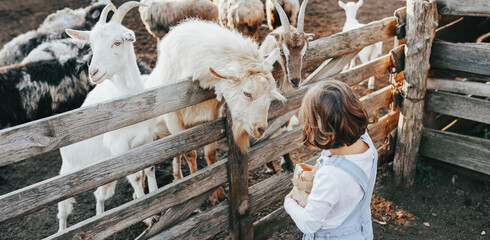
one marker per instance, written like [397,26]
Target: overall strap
[350,168]
[358,174]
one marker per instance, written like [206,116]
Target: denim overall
[358,224]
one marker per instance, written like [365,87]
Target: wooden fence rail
[464,8]
[466,57]
[44,135]
[459,106]
[462,87]
[460,150]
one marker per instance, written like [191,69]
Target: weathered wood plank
[463,87]
[459,106]
[52,190]
[201,226]
[421,25]
[464,151]
[345,42]
[467,57]
[377,131]
[267,192]
[270,190]
[464,8]
[361,72]
[175,215]
[377,100]
[271,149]
[121,217]
[44,135]
[240,221]
[266,226]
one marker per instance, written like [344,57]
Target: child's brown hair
[332,116]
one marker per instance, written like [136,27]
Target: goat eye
[247,94]
[116,43]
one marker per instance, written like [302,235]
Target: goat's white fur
[197,49]
[117,76]
[160,15]
[368,53]
[241,15]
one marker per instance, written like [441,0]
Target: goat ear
[273,56]
[342,4]
[129,36]
[77,34]
[214,73]
[359,4]
[277,36]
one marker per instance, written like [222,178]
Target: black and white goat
[52,79]
[52,28]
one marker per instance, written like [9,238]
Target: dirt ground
[443,204]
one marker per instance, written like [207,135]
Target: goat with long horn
[114,71]
[293,43]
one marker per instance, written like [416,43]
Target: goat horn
[123,9]
[301,16]
[105,11]
[282,15]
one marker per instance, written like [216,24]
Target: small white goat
[244,16]
[113,60]
[368,53]
[290,7]
[160,15]
[222,60]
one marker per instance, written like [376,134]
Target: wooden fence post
[420,29]
[240,220]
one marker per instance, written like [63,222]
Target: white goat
[290,7]
[293,43]
[222,60]
[160,15]
[368,53]
[244,16]
[113,60]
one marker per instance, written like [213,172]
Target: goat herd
[44,72]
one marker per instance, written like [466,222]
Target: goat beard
[242,139]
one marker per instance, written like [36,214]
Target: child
[338,206]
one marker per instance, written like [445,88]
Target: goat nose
[94,72]
[295,82]
[261,130]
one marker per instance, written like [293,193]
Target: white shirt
[333,197]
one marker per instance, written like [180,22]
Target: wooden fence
[180,198]
[455,87]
